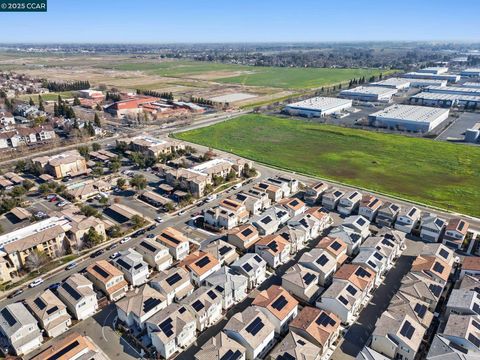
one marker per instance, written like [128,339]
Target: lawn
[48,96]
[431,172]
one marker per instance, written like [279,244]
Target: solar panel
[273,246]
[475,341]
[361,272]
[255,326]
[219,288]
[148,246]
[351,290]
[138,266]
[335,245]
[476,308]
[212,294]
[361,221]
[182,310]
[294,203]
[285,356]
[437,267]
[266,220]
[461,224]
[435,289]
[301,342]
[203,262]
[173,279]
[394,207]
[100,271]
[8,317]
[224,249]
[337,193]
[322,260]
[247,267]
[476,324]
[170,238]
[52,310]
[280,303]
[167,327]
[257,258]
[324,320]
[71,291]
[411,212]
[374,202]
[372,264]
[308,278]
[231,355]
[407,330]
[40,303]
[343,300]
[197,305]
[387,242]
[377,256]
[443,253]
[353,195]
[421,310]
[247,232]
[124,264]
[439,222]
[64,351]
[150,304]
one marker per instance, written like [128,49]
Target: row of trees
[66,86]
[201,101]
[112,96]
[61,108]
[163,95]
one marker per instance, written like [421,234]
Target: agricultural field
[430,172]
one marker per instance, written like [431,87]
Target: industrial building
[445,100]
[472,84]
[318,106]
[418,75]
[421,83]
[454,90]
[473,135]
[393,83]
[436,70]
[369,93]
[471,72]
[409,118]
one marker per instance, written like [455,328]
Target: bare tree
[35,260]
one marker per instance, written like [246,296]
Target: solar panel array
[372,264]
[280,303]
[435,289]
[198,305]
[324,320]
[377,256]
[322,260]
[438,267]
[8,317]
[64,351]
[224,249]
[460,226]
[255,326]
[167,327]
[100,271]
[150,304]
[351,290]
[443,253]
[232,355]
[361,272]
[361,221]
[343,300]
[439,222]
[285,356]
[52,310]
[170,238]
[421,310]
[212,294]
[247,232]
[474,340]
[266,220]
[148,246]
[40,303]
[257,258]
[273,246]
[124,264]
[71,291]
[308,278]
[407,330]
[182,310]
[203,262]
[173,279]
[335,245]
[247,267]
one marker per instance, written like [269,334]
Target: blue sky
[161,21]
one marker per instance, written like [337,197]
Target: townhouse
[423,288]
[223,251]
[271,220]
[455,233]
[254,205]
[322,262]
[252,329]
[261,195]
[408,219]
[403,304]
[301,282]
[296,234]
[78,294]
[188,180]
[470,266]
[174,283]
[397,337]
[358,224]
[68,163]
[108,279]
[284,186]
[154,254]
[373,260]
[221,347]
[278,306]
[313,193]
[200,265]
[343,299]
[387,248]
[151,146]
[463,302]
[358,275]
[227,215]
[50,312]
[139,305]
[274,249]
[441,348]
[19,330]
[387,214]
[295,346]
[432,267]
[171,329]
[335,247]
[205,304]
[331,198]
[320,327]
[293,183]
[368,353]
[349,203]
[230,285]
[464,331]
[312,223]
[274,193]
[134,269]
[432,228]
[440,251]
[243,237]
[175,241]
[348,237]
[294,206]
[369,207]
[253,267]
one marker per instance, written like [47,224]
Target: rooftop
[319,103]
[411,113]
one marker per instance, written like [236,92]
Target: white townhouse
[274,249]
[349,203]
[230,285]
[205,304]
[374,260]
[369,207]
[78,294]
[301,282]
[253,267]
[322,262]
[408,219]
[174,283]
[432,228]
[331,198]
[134,268]
[155,254]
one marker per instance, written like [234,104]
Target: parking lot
[456,131]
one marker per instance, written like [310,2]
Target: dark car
[54,287]
[150,236]
[97,253]
[113,246]
[152,227]
[15,293]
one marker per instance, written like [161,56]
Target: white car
[181,212]
[159,219]
[114,255]
[211,198]
[62,204]
[126,239]
[237,186]
[35,282]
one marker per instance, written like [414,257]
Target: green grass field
[48,97]
[287,78]
[431,172]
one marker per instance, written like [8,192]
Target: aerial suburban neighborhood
[313,196]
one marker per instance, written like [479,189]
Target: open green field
[288,78]
[48,96]
[431,172]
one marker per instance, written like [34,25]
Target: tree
[103,200]
[28,184]
[18,191]
[88,210]
[139,182]
[76,101]
[97,171]
[35,260]
[137,221]
[96,146]
[20,166]
[84,151]
[98,107]
[44,188]
[169,207]
[231,175]
[31,102]
[96,120]
[114,165]
[92,238]
[121,183]
[115,231]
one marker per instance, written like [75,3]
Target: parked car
[71,266]
[51,196]
[114,255]
[113,246]
[97,253]
[54,286]
[181,212]
[125,239]
[15,293]
[62,203]
[237,186]
[53,199]
[152,227]
[150,236]
[159,219]
[211,198]
[35,283]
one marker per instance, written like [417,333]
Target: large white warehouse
[369,93]
[409,118]
[454,90]
[445,100]
[420,83]
[318,106]
[417,75]
[471,84]
[471,72]
[393,83]
[436,70]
